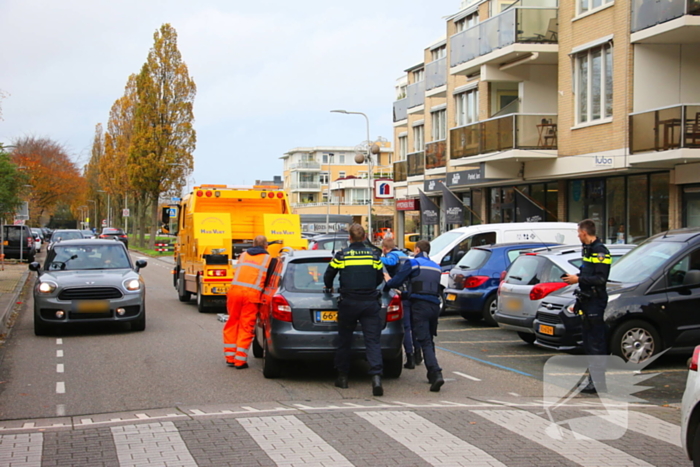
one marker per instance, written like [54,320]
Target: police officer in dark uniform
[592,298]
[424,277]
[360,271]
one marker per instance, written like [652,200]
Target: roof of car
[296,254]
[567,249]
[89,241]
[515,244]
[678,235]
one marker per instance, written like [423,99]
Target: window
[467,22]
[418,75]
[403,148]
[439,53]
[341,174]
[328,158]
[439,127]
[467,107]
[341,158]
[418,138]
[593,84]
[323,178]
[584,6]
[677,273]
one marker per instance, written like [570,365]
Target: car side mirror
[140,264]
[692,278]
[36,267]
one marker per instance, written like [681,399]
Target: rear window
[333,244]
[13,233]
[66,236]
[307,276]
[525,270]
[474,259]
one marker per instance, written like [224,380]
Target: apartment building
[556,111]
[326,180]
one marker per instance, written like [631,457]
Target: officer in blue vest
[424,277]
[592,298]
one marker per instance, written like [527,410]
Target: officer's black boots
[377,389]
[588,387]
[436,381]
[410,361]
[341,381]
[418,355]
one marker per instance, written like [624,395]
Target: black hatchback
[300,323]
[653,304]
[117,234]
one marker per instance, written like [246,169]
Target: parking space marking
[426,439]
[502,367]
[525,355]
[470,330]
[464,375]
[480,342]
[60,387]
[59,368]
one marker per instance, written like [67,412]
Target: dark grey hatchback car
[300,323]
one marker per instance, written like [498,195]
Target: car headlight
[132,285]
[46,287]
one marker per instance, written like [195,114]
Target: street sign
[172,212]
[104,222]
[19,221]
[125,213]
[175,200]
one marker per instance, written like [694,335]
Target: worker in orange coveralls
[245,295]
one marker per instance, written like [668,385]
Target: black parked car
[654,301]
[16,237]
[300,323]
[117,234]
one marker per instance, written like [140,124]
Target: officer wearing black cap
[360,271]
[592,298]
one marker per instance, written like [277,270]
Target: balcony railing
[401,109]
[306,185]
[416,163]
[516,24]
[400,173]
[515,131]
[436,74]
[648,13]
[305,165]
[665,129]
[435,154]
[416,94]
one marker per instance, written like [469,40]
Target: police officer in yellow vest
[592,298]
[360,270]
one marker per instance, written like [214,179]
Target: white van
[448,248]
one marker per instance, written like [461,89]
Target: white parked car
[690,411]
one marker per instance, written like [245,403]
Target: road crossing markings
[642,423]
[21,450]
[586,452]
[464,375]
[152,443]
[426,439]
[288,441]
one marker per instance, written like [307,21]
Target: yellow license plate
[512,304]
[92,306]
[451,297]
[549,330]
[326,316]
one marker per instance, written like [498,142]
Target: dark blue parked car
[473,283]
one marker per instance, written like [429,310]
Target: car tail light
[30,241]
[694,361]
[540,291]
[216,272]
[394,311]
[281,309]
[500,281]
[208,193]
[104,236]
[315,246]
[122,236]
[471,282]
[280,194]
[200,193]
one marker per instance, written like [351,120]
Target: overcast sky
[267,72]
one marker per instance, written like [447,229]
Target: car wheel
[394,366]
[182,294]
[695,448]
[527,337]
[272,367]
[490,308]
[201,299]
[635,341]
[257,348]
[441,297]
[139,324]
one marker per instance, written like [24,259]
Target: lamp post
[367,158]
[328,193]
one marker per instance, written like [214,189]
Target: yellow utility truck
[214,224]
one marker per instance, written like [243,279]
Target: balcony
[305,165]
[665,129]
[416,94]
[416,164]
[401,109]
[436,74]
[515,131]
[677,21]
[526,29]
[400,173]
[306,186]
[435,155]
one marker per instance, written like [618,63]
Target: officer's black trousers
[424,316]
[595,341]
[367,313]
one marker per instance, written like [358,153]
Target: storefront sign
[603,161]
[465,177]
[433,185]
[383,188]
[407,205]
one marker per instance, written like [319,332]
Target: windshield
[643,261]
[83,257]
[443,241]
[474,259]
[66,236]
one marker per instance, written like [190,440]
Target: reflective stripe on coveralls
[246,275]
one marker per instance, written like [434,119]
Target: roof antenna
[534,235]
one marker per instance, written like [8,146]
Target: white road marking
[514,394]
[642,423]
[463,375]
[289,442]
[59,341]
[23,450]
[59,353]
[427,440]
[584,451]
[60,387]
[59,368]
[60,410]
[151,444]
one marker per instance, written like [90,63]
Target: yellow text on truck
[214,224]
